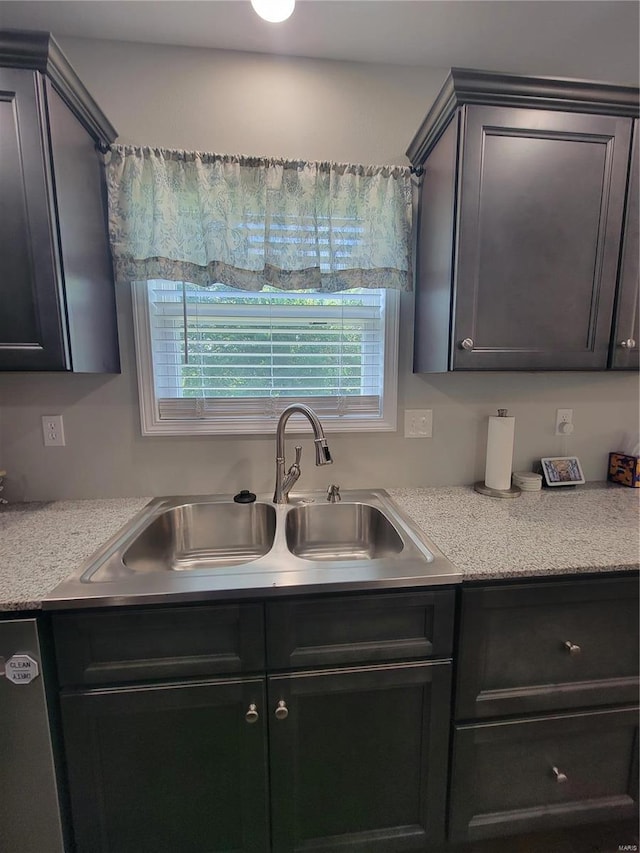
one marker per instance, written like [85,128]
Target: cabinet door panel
[360,761]
[161,642]
[31,316]
[504,781]
[513,654]
[625,341]
[168,768]
[359,629]
[541,204]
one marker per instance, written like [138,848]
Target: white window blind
[224,360]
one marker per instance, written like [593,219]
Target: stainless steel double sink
[199,545]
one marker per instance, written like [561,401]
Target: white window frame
[231,422]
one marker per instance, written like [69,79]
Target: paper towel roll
[499,452]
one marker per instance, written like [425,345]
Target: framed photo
[562,471]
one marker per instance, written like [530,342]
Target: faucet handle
[298,450]
[333,494]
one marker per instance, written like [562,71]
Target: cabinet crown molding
[469,86]
[38,50]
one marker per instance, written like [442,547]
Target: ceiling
[584,38]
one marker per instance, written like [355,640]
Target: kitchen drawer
[504,783]
[547,646]
[359,629]
[158,643]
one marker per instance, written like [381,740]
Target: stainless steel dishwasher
[29,807]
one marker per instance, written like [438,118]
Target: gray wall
[241,103]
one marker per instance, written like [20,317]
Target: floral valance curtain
[250,222]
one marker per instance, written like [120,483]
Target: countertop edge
[427,500]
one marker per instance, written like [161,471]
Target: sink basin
[203,536]
[200,547]
[341,531]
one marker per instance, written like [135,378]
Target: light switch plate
[418,423]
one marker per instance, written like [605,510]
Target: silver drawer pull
[282,712]
[628,344]
[466,344]
[252,714]
[560,777]
[572,648]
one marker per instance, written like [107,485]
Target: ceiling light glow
[274,11]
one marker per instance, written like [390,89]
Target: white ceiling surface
[595,39]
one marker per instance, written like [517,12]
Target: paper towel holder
[488,491]
[512,492]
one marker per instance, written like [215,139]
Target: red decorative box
[624,469]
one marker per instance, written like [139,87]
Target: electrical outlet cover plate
[53,431]
[564,416]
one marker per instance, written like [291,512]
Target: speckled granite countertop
[593,528]
[42,543]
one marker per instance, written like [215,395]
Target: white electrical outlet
[564,421]
[418,423]
[53,431]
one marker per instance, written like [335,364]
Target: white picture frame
[562,471]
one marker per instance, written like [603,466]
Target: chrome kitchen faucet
[285,482]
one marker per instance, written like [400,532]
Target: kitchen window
[259,281]
[221,360]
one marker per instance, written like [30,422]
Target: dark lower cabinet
[195,729]
[179,739]
[538,647]
[359,758]
[524,775]
[162,769]
[546,717]
[358,762]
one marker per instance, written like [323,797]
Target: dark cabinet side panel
[168,768]
[30,819]
[360,762]
[86,259]
[541,206]
[32,317]
[434,263]
[625,339]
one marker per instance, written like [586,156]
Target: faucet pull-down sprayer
[285,482]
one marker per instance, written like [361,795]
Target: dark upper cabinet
[521,212]
[626,331]
[57,300]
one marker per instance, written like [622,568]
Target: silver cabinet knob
[560,777]
[466,344]
[282,712]
[572,648]
[252,714]
[628,344]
